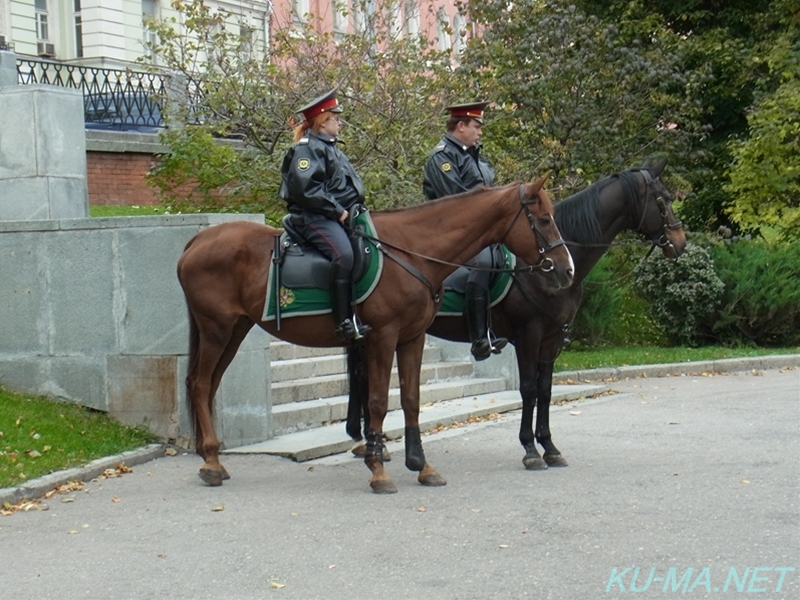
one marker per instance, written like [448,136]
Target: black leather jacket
[318,177]
[453,168]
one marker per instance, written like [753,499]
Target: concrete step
[332,439]
[327,386]
[280,350]
[296,416]
[321,364]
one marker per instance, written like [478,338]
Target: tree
[580,97]
[390,87]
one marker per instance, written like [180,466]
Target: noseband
[545,264]
[663,240]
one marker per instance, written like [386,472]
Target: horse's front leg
[380,353]
[545,390]
[526,362]
[409,362]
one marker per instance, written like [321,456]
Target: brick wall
[118,178]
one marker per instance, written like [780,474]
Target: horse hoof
[383,486]
[359,450]
[431,479]
[534,463]
[211,477]
[225,474]
[555,460]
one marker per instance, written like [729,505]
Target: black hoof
[534,463]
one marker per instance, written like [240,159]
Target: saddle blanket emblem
[455,284]
[304,286]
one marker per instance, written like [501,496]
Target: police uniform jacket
[453,168]
[318,177]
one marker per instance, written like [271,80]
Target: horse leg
[240,331]
[526,346]
[545,388]
[409,361]
[380,350]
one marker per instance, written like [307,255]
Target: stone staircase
[309,399]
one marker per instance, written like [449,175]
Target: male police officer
[456,166]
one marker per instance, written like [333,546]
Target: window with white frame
[340,16]
[42,25]
[442,29]
[76,20]
[412,18]
[459,33]
[300,9]
[248,36]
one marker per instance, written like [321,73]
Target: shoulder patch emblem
[446,167]
[303,164]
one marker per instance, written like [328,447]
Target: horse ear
[658,168]
[535,186]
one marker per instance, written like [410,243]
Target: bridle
[545,264]
[663,239]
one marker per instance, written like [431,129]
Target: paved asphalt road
[693,480]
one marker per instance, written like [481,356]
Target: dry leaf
[68,499]
[504,545]
[72,531]
[574,412]
[33,453]
[170,452]
[114,499]
[421,509]
[276,585]
[218,508]
[745,481]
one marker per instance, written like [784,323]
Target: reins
[545,264]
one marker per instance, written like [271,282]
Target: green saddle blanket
[305,301]
[453,303]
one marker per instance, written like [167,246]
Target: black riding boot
[342,305]
[476,311]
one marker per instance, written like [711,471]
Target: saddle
[457,281]
[302,266]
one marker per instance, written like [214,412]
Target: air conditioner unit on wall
[45,49]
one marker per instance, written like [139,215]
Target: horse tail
[194,343]
[359,390]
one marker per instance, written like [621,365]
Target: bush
[761,301]
[684,294]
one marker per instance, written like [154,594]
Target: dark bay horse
[535,319]
[223,271]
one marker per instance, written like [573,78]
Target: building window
[300,9]
[78,28]
[459,33]
[149,38]
[247,41]
[442,30]
[393,19]
[412,18]
[340,16]
[42,33]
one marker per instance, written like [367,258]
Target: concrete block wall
[91,311]
[42,153]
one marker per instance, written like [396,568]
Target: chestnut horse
[535,319]
[223,271]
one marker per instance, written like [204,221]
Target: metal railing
[112,98]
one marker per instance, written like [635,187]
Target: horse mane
[576,215]
[481,189]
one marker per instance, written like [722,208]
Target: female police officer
[320,185]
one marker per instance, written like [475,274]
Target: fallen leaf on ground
[276,585]
[218,508]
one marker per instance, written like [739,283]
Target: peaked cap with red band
[325,103]
[473,110]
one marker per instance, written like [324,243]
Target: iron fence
[112,98]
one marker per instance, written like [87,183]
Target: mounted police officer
[321,188]
[456,166]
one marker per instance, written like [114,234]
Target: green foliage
[39,436]
[761,302]
[610,312]
[683,294]
[581,98]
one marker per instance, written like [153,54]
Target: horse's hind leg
[545,388]
[409,360]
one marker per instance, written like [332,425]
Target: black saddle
[457,280]
[303,266]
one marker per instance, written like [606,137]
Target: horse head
[555,262]
[658,222]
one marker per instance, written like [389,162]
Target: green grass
[571,360]
[125,211]
[39,436]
